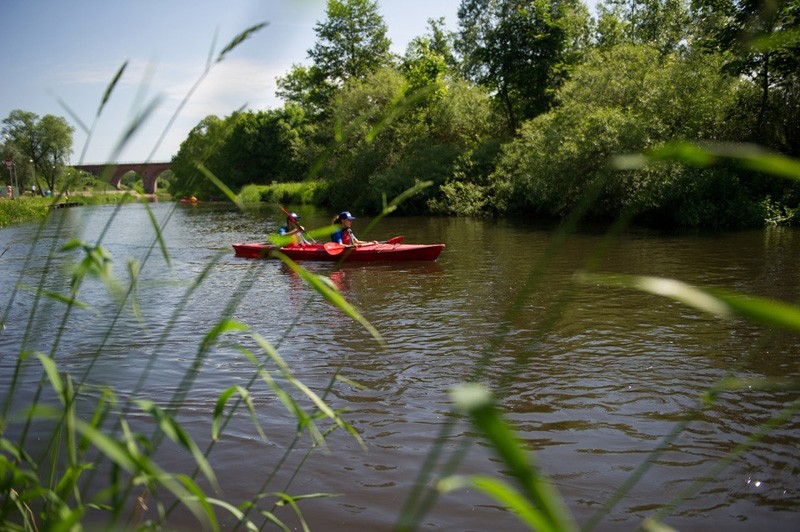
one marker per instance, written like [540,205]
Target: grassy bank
[302,193]
[31,209]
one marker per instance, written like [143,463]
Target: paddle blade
[333,248]
[395,240]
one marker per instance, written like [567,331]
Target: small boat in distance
[336,252]
[189,200]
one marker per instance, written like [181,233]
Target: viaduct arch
[148,171]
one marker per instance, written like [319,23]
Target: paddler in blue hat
[345,234]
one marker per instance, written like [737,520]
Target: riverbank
[31,209]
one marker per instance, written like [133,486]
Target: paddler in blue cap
[345,235]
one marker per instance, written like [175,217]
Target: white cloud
[228,86]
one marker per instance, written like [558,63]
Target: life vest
[346,240]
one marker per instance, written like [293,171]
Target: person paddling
[294,228]
[345,235]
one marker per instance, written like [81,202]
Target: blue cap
[345,215]
[295,215]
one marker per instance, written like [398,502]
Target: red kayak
[371,252]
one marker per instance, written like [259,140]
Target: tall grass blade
[239,39]
[134,267]
[225,325]
[329,291]
[135,124]
[51,370]
[77,120]
[476,402]
[234,511]
[61,298]
[320,232]
[220,406]
[289,500]
[400,104]
[755,437]
[177,434]
[714,301]
[159,235]
[111,86]
[778,39]
[219,184]
[503,494]
[303,419]
[201,498]
[750,156]
[318,402]
[275,521]
[211,49]
[392,206]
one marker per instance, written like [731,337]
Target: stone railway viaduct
[149,172]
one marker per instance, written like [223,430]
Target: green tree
[442,41]
[351,42]
[423,65]
[267,146]
[425,69]
[306,88]
[46,141]
[663,24]
[370,130]
[243,148]
[521,50]
[388,138]
[618,102]
[761,40]
[203,145]
[428,66]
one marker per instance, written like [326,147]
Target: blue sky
[70,50]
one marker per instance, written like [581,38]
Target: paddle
[395,240]
[334,248]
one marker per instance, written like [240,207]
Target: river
[593,378]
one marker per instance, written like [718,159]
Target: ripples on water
[595,377]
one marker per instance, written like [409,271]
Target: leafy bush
[460,198]
[251,193]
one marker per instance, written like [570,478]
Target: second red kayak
[371,252]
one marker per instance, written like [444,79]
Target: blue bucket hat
[345,215]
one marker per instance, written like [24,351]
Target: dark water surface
[594,377]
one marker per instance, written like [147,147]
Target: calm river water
[595,377]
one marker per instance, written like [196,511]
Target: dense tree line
[519,109]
